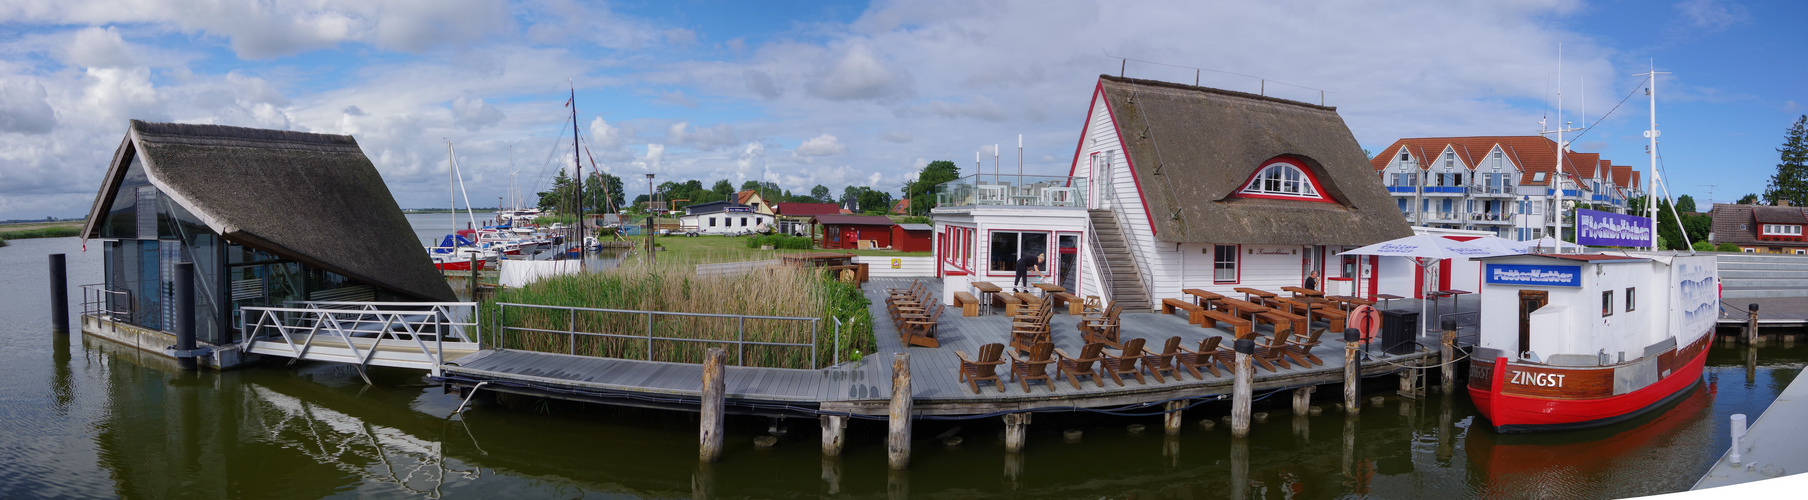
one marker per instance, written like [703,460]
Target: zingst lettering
[1538,379]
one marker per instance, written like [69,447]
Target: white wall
[908,267]
[987,219]
[701,222]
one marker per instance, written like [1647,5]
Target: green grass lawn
[711,249]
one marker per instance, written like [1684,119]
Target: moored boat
[1593,340]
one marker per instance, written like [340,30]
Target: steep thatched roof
[1192,147]
[313,198]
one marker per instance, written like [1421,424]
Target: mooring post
[1171,420]
[1448,381]
[1239,468]
[1302,399]
[897,441]
[1016,431]
[650,226]
[185,315]
[1751,324]
[474,274]
[1240,394]
[1352,372]
[710,422]
[834,432]
[59,294]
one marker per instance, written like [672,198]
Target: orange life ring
[1366,320]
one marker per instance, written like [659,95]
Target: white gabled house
[1176,187]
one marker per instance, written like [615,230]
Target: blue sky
[840,93]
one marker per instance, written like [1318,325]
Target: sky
[852,93]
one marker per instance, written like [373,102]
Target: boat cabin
[1595,310]
[266,216]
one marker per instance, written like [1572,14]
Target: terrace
[1012,190]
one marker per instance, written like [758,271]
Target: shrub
[781,242]
[1727,247]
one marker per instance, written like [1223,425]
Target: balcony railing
[1491,190]
[1012,190]
[1491,217]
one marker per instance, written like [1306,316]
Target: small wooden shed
[912,237]
[846,231]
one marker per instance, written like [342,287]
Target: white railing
[364,329]
[1145,280]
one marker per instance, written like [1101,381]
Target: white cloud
[1711,15]
[99,47]
[474,114]
[895,136]
[822,145]
[675,98]
[705,138]
[23,108]
[860,73]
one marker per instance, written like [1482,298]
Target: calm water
[86,418]
[430,229]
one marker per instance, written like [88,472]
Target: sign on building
[1534,275]
[1605,229]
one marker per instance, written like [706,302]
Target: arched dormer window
[1283,178]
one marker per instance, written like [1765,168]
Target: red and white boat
[1573,341]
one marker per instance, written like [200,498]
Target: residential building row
[1511,186]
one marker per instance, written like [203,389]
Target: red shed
[912,237]
[846,231]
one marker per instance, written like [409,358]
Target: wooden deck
[864,387]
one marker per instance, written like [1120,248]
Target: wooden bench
[969,304]
[1281,319]
[1075,306]
[1195,314]
[1008,301]
[1240,327]
[1333,316]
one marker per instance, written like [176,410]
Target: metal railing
[98,301]
[1006,189]
[740,341]
[399,323]
[1144,278]
[1098,257]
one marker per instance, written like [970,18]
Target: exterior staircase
[1747,276]
[1125,278]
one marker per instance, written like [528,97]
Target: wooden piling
[1447,381]
[897,441]
[1016,431]
[1172,420]
[474,273]
[834,434]
[710,425]
[59,294]
[1302,399]
[1240,393]
[1751,324]
[1352,375]
[1239,468]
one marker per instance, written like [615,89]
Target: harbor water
[82,417]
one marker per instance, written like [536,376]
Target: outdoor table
[986,291]
[1437,297]
[1299,291]
[1256,292]
[1349,302]
[1238,308]
[1387,300]
[1049,288]
[1299,303]
[1202,298]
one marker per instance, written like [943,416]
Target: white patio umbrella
[1426,250]
[1553,245]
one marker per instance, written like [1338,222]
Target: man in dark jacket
[1024,265]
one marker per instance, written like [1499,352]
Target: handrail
[406,326]
[1098,257]
[740,341]
[96,301]
[1142,272]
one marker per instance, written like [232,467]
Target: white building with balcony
[1511,186]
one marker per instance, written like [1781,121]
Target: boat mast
[578,165]
[1651,150]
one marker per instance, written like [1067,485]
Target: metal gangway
[420,335]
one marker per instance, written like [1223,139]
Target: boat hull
[1520,397]
[457,265]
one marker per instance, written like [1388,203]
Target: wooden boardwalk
[864,387]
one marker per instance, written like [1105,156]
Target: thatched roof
[1192,147]
[313,198]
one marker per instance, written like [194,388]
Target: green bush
[1703,246]
[1727,247]
[781,242]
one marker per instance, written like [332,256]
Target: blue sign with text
[1604,229]
[1534,275]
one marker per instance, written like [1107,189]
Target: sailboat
[455,252]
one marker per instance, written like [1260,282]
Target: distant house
[1760,228]
[794,218]
[1175,187]
[753,200]
[722,217]
[1511,186]
[266,216]
[902,207]
[846,231]
[913,237]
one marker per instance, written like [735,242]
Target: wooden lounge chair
[921,332]
[1302,351]
[1272,353]
[1027,332]
[985,368]
[1074,368]
[1034,366]
[1209,355]
[1164,361]
[1125,363]
[1103,330]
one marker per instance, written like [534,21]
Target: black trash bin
[1399,332]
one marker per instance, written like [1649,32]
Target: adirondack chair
[1074,368]
[1028,332]
[1104,330]
[1209,355]
[921,332]
[1164,361]
[1302,351]
[1272,353]
[1034,366]
[985,368]
[912,289]
[1125,363]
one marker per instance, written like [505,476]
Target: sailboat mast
[1651,194]
[578,165]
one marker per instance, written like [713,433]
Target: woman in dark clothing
[1024,265]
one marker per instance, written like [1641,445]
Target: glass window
[712,222]
[1607,303]
[1224,264]
[1281,178]
[1631,299]
[1009,246]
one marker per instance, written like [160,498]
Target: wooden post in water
[834,431]
[1302,399]
[1751,324]
[473,283]
[710,422]
[897,441]
[1352,372]
[1016,431]
[650,225]
[185,315]
[59,294]
[1240,394]
[1448,380]
[1171,420]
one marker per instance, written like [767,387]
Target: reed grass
[42,232]
[784,291]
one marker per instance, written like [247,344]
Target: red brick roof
[1531,154]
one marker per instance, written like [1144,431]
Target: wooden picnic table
[1049,288]
[1202,297]
[986,292]
[1256,292]
[1298,291]
[1350,302]
[1294,306]
[1240,308]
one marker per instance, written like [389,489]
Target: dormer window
[1449,159]
[1283,178]
[1537,176]
[1782,230]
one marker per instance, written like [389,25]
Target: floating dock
[1773,446]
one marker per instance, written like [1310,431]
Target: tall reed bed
[42,232]
[785,292]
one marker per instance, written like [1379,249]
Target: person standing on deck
[1024,265]
[1312,280]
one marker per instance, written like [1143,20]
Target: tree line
[603,193]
